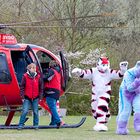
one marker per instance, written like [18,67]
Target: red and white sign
[7,39]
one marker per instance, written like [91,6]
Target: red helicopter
[14,57]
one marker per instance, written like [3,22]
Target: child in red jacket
[31,91]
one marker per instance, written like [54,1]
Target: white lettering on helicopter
[7,39]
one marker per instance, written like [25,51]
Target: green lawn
[85,132]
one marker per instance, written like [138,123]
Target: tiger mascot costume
[101,77]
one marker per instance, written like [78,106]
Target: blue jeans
[55,119]
[25,108]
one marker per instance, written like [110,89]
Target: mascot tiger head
[103,64]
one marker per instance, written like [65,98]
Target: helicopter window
[44,59]
[5,76]
[20,63]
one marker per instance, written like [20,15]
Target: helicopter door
[65,71]
[32,57]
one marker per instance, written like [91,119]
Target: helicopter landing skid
[46,126]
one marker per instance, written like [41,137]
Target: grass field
[85,132]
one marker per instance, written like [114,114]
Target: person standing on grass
[31,90]
[101,77]
[129,100]
[52,88]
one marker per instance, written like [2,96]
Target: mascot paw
[100,127]
[136,84]
[122,128]
[122,131]
[123,66]
[77,71]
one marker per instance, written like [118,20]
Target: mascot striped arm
[129,98]
[101,77]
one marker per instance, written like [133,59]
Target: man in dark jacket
[52,84]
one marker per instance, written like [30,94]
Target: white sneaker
[100,127]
